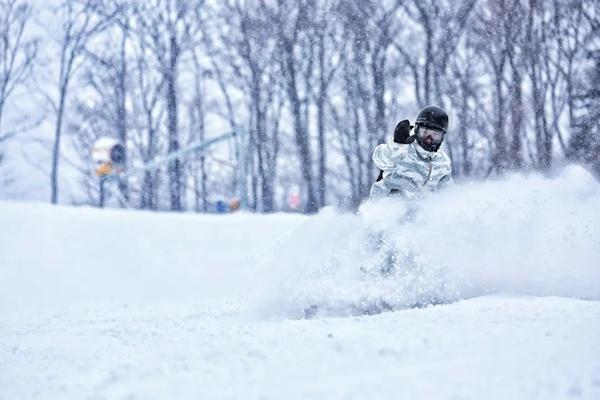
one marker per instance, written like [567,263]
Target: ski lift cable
[196,147]
[103,152]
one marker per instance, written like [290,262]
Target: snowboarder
[412,164]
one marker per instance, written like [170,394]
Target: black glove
[402,132]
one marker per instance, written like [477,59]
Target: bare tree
[568,28]
[227,82]
[494,45]
[106,75]
[17,54]
[371,33]
[584,143]
[147,116]
[249,50]
[149,148]
[326,48]
[438,43]
[296,56]
[536,41]
[167,27]
[467,104]
[81,22]
[514,33]
[197,114]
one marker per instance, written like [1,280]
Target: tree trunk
[56,147]
[428,64]
[174,165]
[542,136]
[150,182]
[377,68]
[321,123]
[122,112]
[516,117]
[462,121]
[499,134]
[300,131]
[148,188]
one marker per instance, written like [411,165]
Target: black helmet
[433,117]
[430,127]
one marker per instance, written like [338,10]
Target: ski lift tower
[109,155]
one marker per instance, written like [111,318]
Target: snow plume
[525,235]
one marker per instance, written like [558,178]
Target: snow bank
[526,235]
[56,258]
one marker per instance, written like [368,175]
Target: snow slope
[126,305]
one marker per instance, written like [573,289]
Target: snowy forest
[312,86]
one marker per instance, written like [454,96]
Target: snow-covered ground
[491,291]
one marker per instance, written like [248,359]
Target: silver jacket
[409,170]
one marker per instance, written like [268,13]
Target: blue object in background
[221,207]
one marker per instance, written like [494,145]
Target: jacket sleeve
[383,157]
[446,181]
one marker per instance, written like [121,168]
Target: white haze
[525,235]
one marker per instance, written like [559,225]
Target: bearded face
[430,139]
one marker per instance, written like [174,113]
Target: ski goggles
[435,135]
